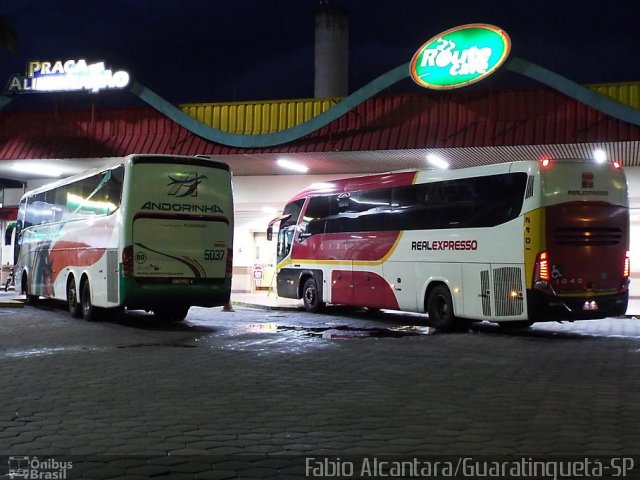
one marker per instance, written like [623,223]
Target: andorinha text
[181,207]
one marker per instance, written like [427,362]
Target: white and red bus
[144,232]
[513,243]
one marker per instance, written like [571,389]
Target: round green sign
[460,56]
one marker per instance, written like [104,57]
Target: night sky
[214,51]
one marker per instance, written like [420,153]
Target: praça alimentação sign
[67,76]
[460,56]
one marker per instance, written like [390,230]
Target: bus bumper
[139,295]
[544,307]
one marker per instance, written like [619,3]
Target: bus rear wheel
[75,308]
[440,308]
[89,312]
[311,296]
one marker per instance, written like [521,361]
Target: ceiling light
[437,161]
[289,165]
[600,155]
[40,169]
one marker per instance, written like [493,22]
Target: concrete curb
[266,307]
[11,304]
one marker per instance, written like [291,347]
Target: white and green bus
[147,232]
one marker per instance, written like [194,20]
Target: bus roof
[114,162]
[407,177]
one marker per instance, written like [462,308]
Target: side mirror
[270,233]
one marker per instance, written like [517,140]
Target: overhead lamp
[289,165]
[40,169]
[436,161]
[599,155]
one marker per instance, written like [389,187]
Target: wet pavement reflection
[338,332]
[261,331]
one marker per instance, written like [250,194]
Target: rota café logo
[460,56]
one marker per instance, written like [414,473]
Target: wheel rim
[72,297]
[86,303]
[310,295]
[442,307]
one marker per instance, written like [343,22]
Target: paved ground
[250,394]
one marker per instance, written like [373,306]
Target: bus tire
[311,296]
[29,298]
[440,308]
[74,306]
[171,314]
[89,312]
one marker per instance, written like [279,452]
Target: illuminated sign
[460,56]
[67,76]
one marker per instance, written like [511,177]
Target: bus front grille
[587,236]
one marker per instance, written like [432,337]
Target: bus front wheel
[311,296]
[75,308]
[440,308]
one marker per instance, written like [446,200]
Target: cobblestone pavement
[253,392]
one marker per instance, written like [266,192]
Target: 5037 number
[217,254]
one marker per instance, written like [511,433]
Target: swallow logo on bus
[185,184]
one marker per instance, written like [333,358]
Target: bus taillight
[627,265]
[127,261]
[542,268]
[229,270]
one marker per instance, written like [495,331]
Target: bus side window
[111,192]
[314,220]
